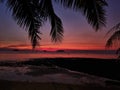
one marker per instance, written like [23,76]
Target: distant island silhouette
[60,51]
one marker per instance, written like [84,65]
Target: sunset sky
[78,34]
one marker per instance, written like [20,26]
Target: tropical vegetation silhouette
[32,14]
[114,39]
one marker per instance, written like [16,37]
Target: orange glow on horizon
[53,47]
[57,47]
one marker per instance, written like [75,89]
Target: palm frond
[34,33]
[115,28]
[56,23]
[95,13]
[92,9]
[26,15]
[113,39]
[57,29]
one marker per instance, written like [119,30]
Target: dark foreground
[17,85]
[109,68]
[98,67]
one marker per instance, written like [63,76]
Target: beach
[60,74]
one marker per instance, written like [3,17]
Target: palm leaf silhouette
[26,15]
[115,37]
[114,28]
[56,23]
[92,9]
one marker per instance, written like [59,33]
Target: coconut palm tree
[32,14]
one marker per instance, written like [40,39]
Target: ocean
[25,55]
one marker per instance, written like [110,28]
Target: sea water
[21,56]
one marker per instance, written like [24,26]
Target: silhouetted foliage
[114,39]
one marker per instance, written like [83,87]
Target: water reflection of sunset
[24,56]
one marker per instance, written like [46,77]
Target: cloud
[19,45]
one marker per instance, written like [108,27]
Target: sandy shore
[17,85]
[60,74]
